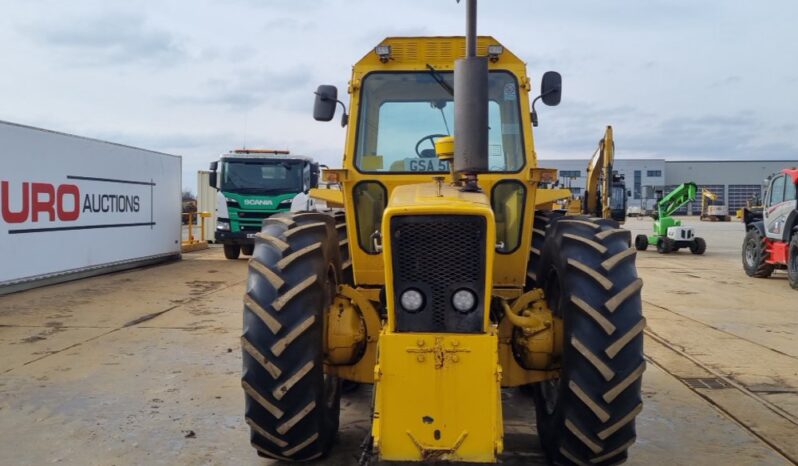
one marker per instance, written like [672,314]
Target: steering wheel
[430,137]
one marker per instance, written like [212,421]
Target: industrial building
[733,181]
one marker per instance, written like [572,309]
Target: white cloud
[676,78]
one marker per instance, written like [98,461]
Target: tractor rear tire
[247,249]
[792,261]
[587,416]
[292,406]
[641,242]
[698,246]
[541,223]
[232,251]
[755,255]
[347,276]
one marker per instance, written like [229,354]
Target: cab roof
[440,52]
[264,154]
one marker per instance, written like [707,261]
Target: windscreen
[402,114]
[262,176]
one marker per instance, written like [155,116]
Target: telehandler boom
[443,281]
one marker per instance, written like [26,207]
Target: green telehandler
[669,234]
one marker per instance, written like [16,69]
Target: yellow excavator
[710,211]
[605,191]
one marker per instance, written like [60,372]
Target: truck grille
[438,255]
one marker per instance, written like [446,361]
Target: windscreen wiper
[439,79]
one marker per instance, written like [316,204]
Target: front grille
[438,255]
[261,215]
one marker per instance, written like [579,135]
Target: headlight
[464,300]
[225,226]
[412,300]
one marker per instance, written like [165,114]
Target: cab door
[780,203]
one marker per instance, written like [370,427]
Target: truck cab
[771,240]
[780,215]
[254,184]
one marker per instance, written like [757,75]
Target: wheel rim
[749,253]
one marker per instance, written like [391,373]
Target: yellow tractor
[442,282]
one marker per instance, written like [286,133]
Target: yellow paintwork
[444,382]
[423,381]
[333,197]
[408,54]
[423,199]
[546,197]
[345,332]
[360,299]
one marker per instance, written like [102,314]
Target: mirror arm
[345,116]
[534,114]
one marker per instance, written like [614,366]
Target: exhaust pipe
[471,107]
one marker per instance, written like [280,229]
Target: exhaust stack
[471,107]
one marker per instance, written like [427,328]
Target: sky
[677,79]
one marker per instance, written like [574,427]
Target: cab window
[777,191]
[789,193]
[402,114]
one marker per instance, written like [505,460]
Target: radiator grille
[438,254]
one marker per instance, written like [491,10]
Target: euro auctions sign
[71,204]
[37,206]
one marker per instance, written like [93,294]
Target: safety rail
[192,243]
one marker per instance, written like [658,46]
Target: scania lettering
[254,184]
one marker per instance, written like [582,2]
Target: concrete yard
[142,367]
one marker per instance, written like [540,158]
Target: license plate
[251,235]
[415,164]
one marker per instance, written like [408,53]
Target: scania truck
[253,184]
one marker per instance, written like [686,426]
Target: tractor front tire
[792,261]
[292,406]
[755,255]
[664,245]
[641,242]
[588,273]
[232,251]
[698,246]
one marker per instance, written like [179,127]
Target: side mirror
[212,175]
[326,100]
[551,88]
[628,193]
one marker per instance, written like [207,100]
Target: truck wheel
[792,262]
[755,254]
[247,249]
[292,406]
[641,242]
[541,223]
[664,245]
[698,246]
[587,416]
[232,251]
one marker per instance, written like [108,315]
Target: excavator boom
[599,192]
